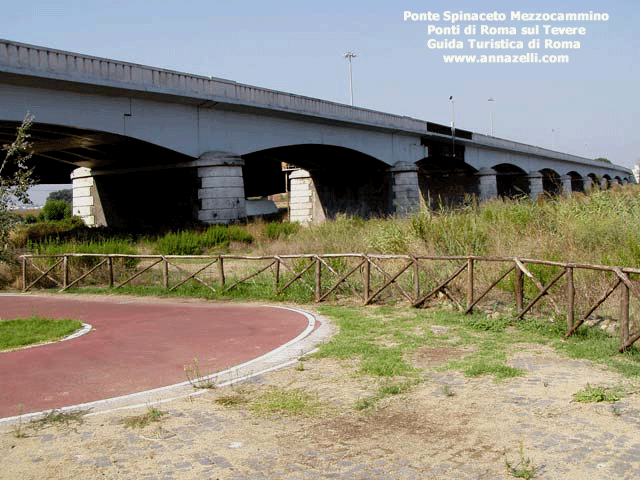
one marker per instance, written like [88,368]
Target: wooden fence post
[318,279]
[469,283]
[624,316]
[110,268]
[24,273]
[276,273]
[65,271]
[519,288]
[165,273]
[416,279]
[366,279]
[221,270]
[571,296]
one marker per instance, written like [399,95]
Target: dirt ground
[445,427]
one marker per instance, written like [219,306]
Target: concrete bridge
[147,146]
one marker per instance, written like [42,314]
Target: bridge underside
[131,184]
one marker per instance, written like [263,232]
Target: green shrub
[55,210]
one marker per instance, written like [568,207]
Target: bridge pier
[405,188]
[86,202]
[588,184]
[221,190]
[488,183]
[567,185]
[536,186]
[302,198]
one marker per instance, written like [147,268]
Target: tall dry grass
[602,227]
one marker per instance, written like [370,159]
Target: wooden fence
[419,280]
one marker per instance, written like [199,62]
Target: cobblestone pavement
[448,427]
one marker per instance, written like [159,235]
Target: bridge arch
[594,181]
[512,181]
[320,181]
[577,182]
[446,182]
[551,182]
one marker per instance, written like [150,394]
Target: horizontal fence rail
[571,290]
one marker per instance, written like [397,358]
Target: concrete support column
[588,184]
[567,188]
[85,198]
[302,196]
[221,192]
[536,187]
[604,184]
[488,184]
[405,188]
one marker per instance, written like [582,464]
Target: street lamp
[453,124]
[349,56]
[492,100]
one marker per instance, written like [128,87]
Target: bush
[276,230]
[55,210]
[55,230]
[195,243]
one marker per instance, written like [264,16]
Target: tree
[15,180]
[65,195]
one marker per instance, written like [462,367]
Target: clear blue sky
[588,107]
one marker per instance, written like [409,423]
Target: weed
[140,421]
[235,396]
[18,430]
[195,376]
[300,366]
[525,467]
[447,391]
[56,417]
[383,392]
[591,394]
[365,403]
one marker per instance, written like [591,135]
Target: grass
[152,415]
[20,332]
[277,401]
[195,243]
[381,340]
[234,397]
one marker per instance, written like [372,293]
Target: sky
[588,106]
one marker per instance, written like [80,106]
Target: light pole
[349,56]
[453,124]
[492,100]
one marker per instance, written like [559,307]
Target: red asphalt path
[134,346]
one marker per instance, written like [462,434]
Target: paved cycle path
[136,344]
